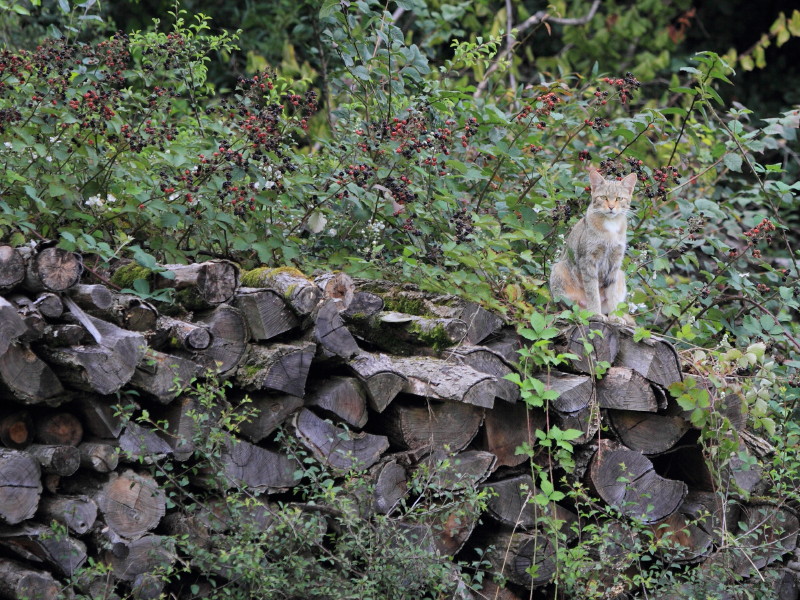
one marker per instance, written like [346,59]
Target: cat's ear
[595,179]
[629,181]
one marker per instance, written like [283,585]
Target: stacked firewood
[366,373]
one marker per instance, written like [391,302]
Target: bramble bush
[396,167]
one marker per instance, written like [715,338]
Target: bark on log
[100,417]
[391,485]
[450,532]
[626,480]
[485,360]
[266,313]
[12,268]
[29,379]
[142,445]
[11,325]
[17,581]
[40,544]
[142,556]
[203,285]
[164,376]
[173,333]
[442,380]
[65,334]
[509,426]
[341,449]
[182,429]
[771,532]
[281,367]
[381,380]
[343,397]
[681,539]
[400,333]
[431,424]
[59,428]
[653,358]
[17,430]
[229,340]
[301,293]
[130,312]
[625,389]
[91,297]
[20,486]
[455,471]
[49,305]
[99,457]
[103,367]
[363,306]
[593,343]
[30,315]
[78,513]
[61,460]
[51,269]
[131,504]
[260,469]
[268,413]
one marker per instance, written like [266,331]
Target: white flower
[111,198]
[269,185]
[48,158]
[93,201]
[53,138]
[7,144]
[257,185]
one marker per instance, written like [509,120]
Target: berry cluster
[400,190]
[598,123]
[584,155]
[761,231]
[462,222]
[660,179]
[625,86]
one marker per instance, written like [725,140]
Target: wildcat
[588,271]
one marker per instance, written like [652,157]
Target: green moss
[261,276]
[436,336]
[126,275]
[406,304]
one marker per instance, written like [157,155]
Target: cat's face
[611,198]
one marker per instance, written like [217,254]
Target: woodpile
[362,374]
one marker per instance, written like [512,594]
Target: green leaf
[328,8]
[64,6]
[733,161]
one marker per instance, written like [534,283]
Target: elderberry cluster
[462,222]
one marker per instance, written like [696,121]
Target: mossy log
[401,333]
[296,289]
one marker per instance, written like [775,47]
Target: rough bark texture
[86,373]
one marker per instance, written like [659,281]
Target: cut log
[61,460]
[336,286]
[145,555]
[130,312]
[417,425]
[18,581]
[131,504]
[442,380]
[300,293]
[176,334]
[626,480]
[229,340]
[65,334]
[331,334]
[91,297]
[203,285]
[30,315]
[624,389]
[526,559]
[512,505]
[100,417]
[363,306]
[140,444]
[768,533]
[381,380]
[451,531]
[59,428]
[260,469]
[492,591]
[337,447]
[12,268]
[29,378]
[266,313]
[391,485]
[52,269]
[103,367]
[163,376]
[404,334]
[281,367]
[11,325]
[267,414]
[593,343]
[653,358]
[182,428]
[17,430]
[99,457]
[78,513]
[455,471]
[20,486]
[506,343]
[49,305]
[487,361]
[509,426]
[646,432]
[407,298]
[41,545]
[681,539]
[343,397]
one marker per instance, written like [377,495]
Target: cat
[588,272]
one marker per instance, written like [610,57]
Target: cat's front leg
[591,285]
